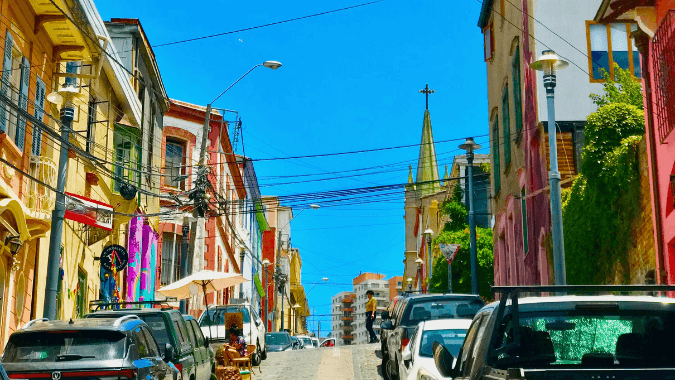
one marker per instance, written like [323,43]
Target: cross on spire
[426,91]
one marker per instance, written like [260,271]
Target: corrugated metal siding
[123,46]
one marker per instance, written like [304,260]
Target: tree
[456,231]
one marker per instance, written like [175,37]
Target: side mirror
[385,315]
[168,352]
[443,360]
[387,325]
[406,355]
[206,342]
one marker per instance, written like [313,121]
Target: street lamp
[549,63]
[265,264]
[409,280]
[419,271]
[470,146]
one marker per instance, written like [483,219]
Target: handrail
[119,320]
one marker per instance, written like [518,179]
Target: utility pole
[68,91]
[470,146]
[185,252]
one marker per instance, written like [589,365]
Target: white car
[418,356]
[306,341]
[253,331]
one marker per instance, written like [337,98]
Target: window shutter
[40,90]
[6,72]
[517,94]
[23,103]
[506,122]
[495,155]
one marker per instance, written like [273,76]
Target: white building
[380,289]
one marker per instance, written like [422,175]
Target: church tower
[427,182]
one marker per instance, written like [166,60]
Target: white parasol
[208,281]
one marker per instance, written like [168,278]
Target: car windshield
[221,316]
[450,339]
[598,340]
[47,346]
[306,341]
[441,308]
[277,339]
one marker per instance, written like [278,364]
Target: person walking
[371,309]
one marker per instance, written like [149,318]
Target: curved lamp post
[549,63]
[419,263]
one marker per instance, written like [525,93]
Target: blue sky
[349,81]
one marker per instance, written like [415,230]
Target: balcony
[348,319]
[347,327]
[349,309]
[348,337]
[663,68]
[348,300]
[40,199]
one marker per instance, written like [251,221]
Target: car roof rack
[513,292]
[124,318]
[97,305]
[34,321]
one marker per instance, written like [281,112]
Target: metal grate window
[663,68]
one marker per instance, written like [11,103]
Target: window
[141,343]
[171,246]
[40,93]
[81,294]
[91,124]
[15,77]
[517,92]
[495,153]
[523,205]
[127,156]
[610,44]
[506,121]
[489,42]
[175,163]
[153,350]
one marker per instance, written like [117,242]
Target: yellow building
[116,117]
[298,298]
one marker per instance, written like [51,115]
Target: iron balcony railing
[663,70]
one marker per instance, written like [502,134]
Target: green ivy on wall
[601,205]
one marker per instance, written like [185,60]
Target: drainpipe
[642,43]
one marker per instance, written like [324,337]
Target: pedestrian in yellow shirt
[371,309]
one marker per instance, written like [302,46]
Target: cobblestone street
[357,362]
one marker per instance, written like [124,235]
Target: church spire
[410,177]
[427,167]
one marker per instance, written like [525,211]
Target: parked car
[412,310]
[170,331]
[418,356]
[106,348]
[205,357]
[297,343]
[212,323]
[306,341]
[330,342]
[566,337]
[278,341]
[391,310]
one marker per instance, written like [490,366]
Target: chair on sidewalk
[245,362]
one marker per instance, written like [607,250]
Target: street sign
[449,251]
[89,211]
[115,253]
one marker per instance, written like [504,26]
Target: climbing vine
[600,206]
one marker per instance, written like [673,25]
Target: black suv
[397,327]
[104,349]
[169,328]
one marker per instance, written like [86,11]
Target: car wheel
[391,370]
[213,377]
[264,354]
[256,359]
[385,360]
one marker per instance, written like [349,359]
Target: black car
[170,331]
[279,341]
[397,328]
[102,349]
